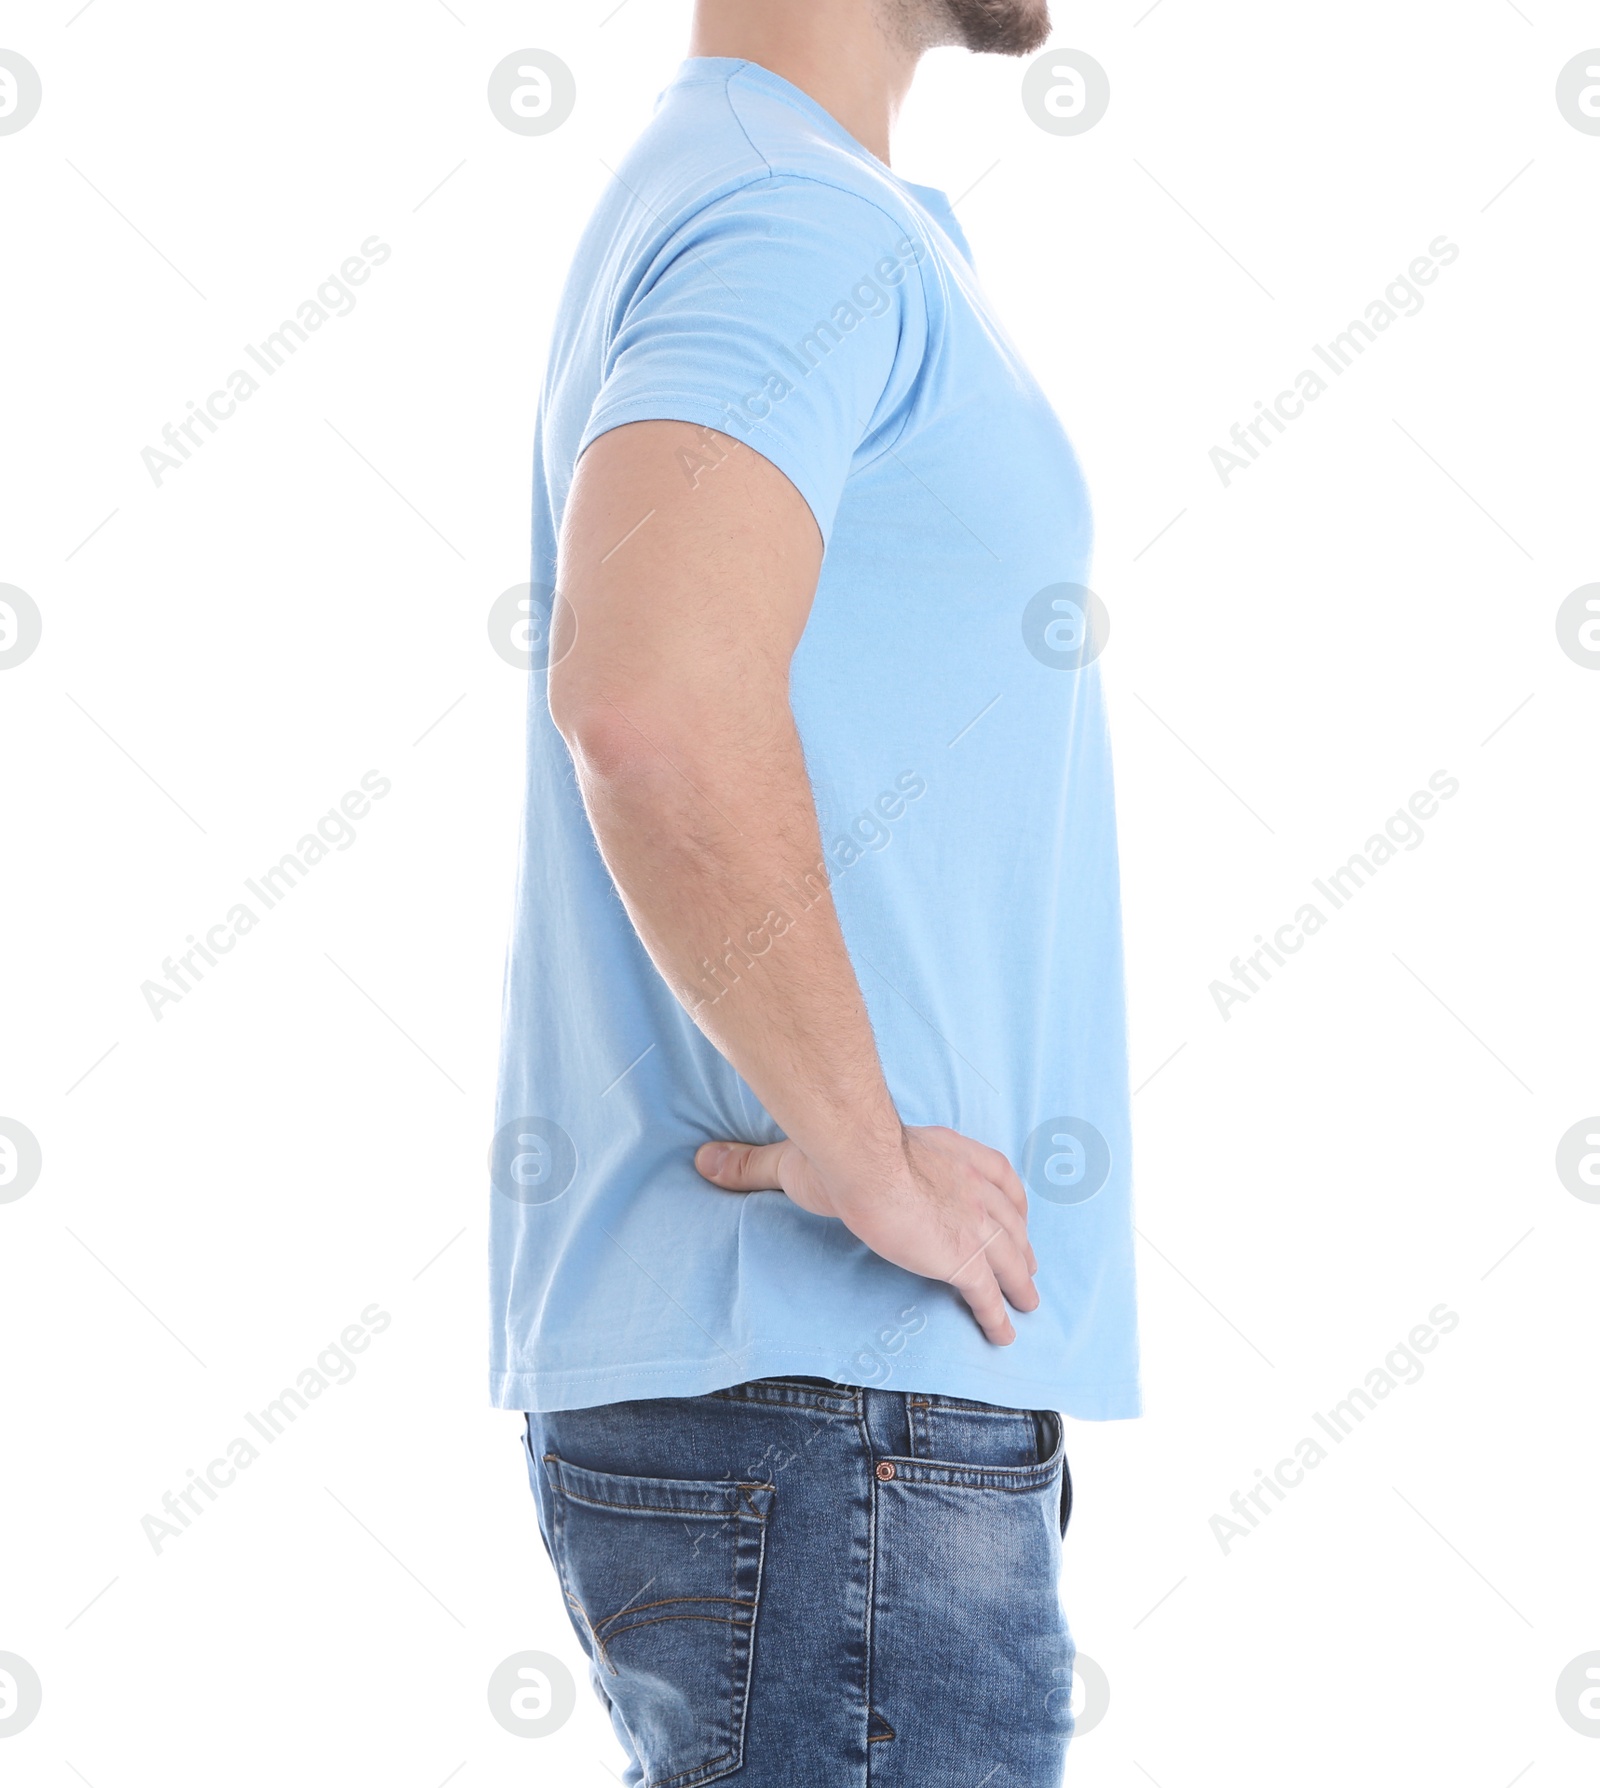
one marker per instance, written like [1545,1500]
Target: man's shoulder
[727,135]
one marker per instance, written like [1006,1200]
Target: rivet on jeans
[885,1471]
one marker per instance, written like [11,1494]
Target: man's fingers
[1010,1267]
[997,1263]
[1011,1206]
[1015,1224]
[1011,1183]
[742,1166]
[976,1283]
[1004,1175]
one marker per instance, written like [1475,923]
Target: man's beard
[991,27]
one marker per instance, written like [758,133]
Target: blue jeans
[799,1584]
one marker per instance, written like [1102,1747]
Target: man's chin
[1000,27]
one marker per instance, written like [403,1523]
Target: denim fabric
[793,1583]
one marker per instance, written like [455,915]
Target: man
[816,946]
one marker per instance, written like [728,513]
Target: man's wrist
[860,1162]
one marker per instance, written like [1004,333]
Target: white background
[224,655]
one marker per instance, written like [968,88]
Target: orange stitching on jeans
[977,1470]
[666,1601]
[650,1508]
[660,1619]
[698,1769]
[594,1637]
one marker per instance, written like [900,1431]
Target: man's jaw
[988,27]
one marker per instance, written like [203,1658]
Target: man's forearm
[684,598]
[705,818]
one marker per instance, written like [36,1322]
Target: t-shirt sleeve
[790,315]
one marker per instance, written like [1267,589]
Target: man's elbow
[615,734]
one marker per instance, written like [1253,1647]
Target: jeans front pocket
[662,1578]
[966,1599]
[951,1430]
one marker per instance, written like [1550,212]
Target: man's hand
[956,1211]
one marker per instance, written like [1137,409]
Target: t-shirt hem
[586,1387]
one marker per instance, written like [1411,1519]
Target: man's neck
[834,50]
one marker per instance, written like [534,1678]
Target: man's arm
[673,696]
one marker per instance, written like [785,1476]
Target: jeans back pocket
[662,1578]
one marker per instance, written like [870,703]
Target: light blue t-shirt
[753,269]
